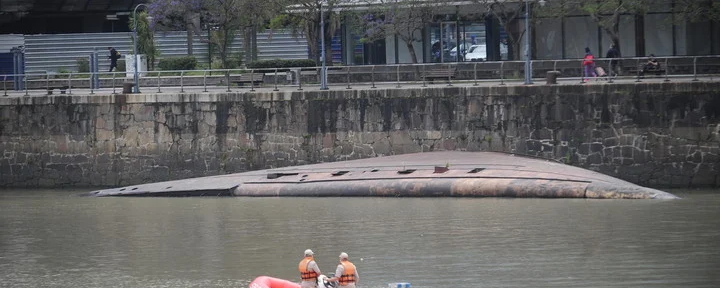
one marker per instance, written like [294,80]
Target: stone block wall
[652,134]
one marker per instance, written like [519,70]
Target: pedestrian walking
[114,56]
[589,66]
[614,54]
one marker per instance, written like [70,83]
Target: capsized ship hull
[429,174]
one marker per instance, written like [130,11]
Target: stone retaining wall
[652,134]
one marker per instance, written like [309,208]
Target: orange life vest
[588,59]
[348,273]
[305,274]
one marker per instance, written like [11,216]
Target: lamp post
[528,48]
[323,74]
[529,64]
[136,88]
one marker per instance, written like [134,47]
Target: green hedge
[279,63]
[178,63]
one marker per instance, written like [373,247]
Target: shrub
[121,66]
[280,63]
[83,65]
[178,63]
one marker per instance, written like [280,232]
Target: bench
[61,88]
[257,78]
[660,71]
[441,73]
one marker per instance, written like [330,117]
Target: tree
[405,19]
[304,15]
[508,14]
[607,14]
[146,40]
[222,18]
[696,10]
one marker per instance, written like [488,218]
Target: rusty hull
[430,174]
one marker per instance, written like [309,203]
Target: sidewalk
[270,87]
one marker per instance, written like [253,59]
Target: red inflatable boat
[270,282]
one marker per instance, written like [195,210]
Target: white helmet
[343,255]
[308,252]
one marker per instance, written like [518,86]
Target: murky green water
[54,239]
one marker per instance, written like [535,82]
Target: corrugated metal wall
[54,52]
[8,41]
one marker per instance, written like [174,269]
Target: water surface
[51,238]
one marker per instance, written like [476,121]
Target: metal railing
[367,76]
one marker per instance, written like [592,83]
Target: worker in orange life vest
[348,274]
[309,270]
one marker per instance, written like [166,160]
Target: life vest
[588,59]
[305,274]
[348,273]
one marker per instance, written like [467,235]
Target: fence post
[502,84]
[300,79]
[159,82]
[47,81]
[5,85]
[449,75]
[252,80]
[608,73]
[398,76]
[25,78]
[205,85]
[92,83]
[181,81]
[638,70]
[113,82]
[373,76]
[666,80]
[694,68]
[475,74]
[158,73]
[227,79]
[423,75]
[275,88]
[347,76]
[70,83]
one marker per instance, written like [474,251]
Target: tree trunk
[190,41]
[255,42]
[515,53]
[311,36]
[223,48]
[412,50]
[247,45]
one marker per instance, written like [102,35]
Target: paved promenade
[270,87]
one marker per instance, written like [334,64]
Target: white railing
[366,76]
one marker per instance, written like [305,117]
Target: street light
[323,73]
[136,88]
[529,65]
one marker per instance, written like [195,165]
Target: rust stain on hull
[465,174]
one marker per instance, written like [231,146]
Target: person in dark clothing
[614,54]
[114,56]
[651,66]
